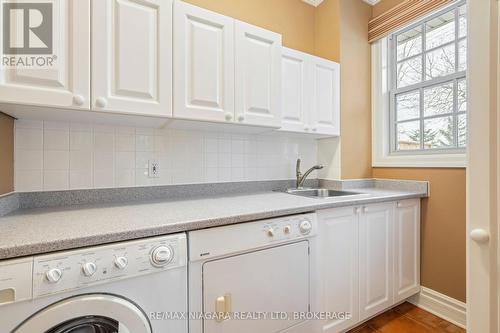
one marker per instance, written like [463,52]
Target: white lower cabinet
[375,259]
[406,249]
[369,259]
[339,266]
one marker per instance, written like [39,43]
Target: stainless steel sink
[319,192]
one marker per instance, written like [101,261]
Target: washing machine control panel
[80,268]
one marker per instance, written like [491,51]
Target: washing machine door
[97,313]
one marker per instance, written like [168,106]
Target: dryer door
[254,289]
[99,313]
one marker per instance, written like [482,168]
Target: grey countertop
[41,230]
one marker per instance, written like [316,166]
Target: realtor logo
[27,35]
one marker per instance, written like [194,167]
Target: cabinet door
[375,259]
[406,249]
[132,56]
[338,238]
[66,84]
[296,90]
[326,97]
[258,75]
[203,64]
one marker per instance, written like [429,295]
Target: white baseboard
[442,306]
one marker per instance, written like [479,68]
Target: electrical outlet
[154,169]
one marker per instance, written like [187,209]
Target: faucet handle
[298,165]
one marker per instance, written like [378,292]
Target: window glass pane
[440,30]
[410,43]
[409,72]
[462,130]
[440,62]
[438,133]
[462,21]
[408,135]
[438,100]
[408,106]
[462,95]
[462,55]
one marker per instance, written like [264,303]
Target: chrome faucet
[302,177]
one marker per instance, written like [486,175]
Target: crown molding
[372,2]
[314,3]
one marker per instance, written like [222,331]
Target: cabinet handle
[357,210]
[241,117]
[306,128]
[480,236]
[365,209]
[222,307]
[229,116]
[399,204]
[314,129]
[101,102]
[78,99]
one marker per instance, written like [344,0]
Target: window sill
[421,161]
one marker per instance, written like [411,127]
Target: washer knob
[270,232]
[89,268]
[287,229]
[121,262]
[53,275]
[161,256]
[305,227]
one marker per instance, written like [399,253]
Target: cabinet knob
[101,102]
[357,210]
[241,117]
[78,99]
[229,116]
[306,128]
[365,209]
[399,204]
[480,236]
[314,129]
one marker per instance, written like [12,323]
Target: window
[426,85]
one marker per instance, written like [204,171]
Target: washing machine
[128,287]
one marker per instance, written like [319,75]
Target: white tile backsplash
[61,156]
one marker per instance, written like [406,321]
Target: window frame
[384,53]
[424,84]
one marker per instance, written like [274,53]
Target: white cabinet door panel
[67,83]
[258,75]
[296,90]
[132,56]
[203,64]
[326,97]
[338,237]
[375,259]
[407,249]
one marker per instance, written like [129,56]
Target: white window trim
[381,152]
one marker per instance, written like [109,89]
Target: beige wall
[355,60]
[327,30]
[6,154]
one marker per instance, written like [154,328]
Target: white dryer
[129,287]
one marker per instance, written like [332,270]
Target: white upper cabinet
[338,238]
[375,259]
[310,94]
[326,97]
[258,75]
[406,249]
[132,56]
[203,64]
[67,83]
[296,90]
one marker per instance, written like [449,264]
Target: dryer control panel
[214,242]
[69,270]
